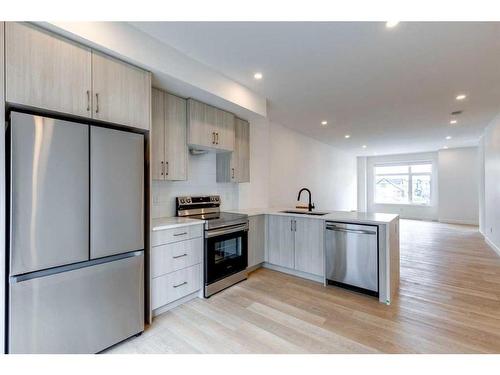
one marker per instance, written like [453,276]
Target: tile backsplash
[201,181]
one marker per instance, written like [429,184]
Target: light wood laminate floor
[449,302]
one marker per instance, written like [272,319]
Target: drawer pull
[181,284]
[180,234]
[179,256]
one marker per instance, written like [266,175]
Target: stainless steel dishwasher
[352,256]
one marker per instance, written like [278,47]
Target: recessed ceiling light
[453,122]
[364,146]
[448,137]
[324,123]
[461,97]
[391,24]
[347,136]
[257,75]
[445,147]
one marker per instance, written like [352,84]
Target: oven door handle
[227,230]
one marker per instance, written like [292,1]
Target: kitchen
[176,197]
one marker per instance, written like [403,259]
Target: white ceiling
[391,89]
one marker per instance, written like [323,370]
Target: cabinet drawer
[175,256]
[175,285]
[162,237]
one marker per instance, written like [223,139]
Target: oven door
[226,252]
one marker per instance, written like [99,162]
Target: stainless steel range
[226,241]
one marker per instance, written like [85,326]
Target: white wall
[482,214]
[281,162]
[298,161]
[492,184]
[201,181]
[406,211]
[459,185]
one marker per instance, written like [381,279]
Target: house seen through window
[403,183]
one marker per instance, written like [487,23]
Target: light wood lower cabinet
[309,245]
[121,92]
[169,145]
[296,243]
[235,166]
[280,241]
[176,264]
[46,71]
[256,240]
[173,286]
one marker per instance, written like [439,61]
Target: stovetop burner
[208,208]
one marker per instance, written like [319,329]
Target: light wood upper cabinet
[309,245]
[235,166]
[200,130]
[224,130]
[168,137]
[46,71]
[280,241]
[176,151]
[158,134]
[121,92]
[209,127]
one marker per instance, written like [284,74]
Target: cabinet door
[280,245]
[256,239]
[242,150]
[235,166]
[175,138]
[158,135]
[200,131]
[224,131]
[122,92]
[309,246]
[46,71]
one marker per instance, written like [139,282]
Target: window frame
[410,181]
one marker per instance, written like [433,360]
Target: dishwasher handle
[357,231]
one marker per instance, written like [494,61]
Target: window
[403,183]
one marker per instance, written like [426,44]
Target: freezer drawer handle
[181,284]
[179,256]
[358,231]
[180,234]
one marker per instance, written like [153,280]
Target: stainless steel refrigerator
[76,236]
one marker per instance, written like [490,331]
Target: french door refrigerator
[76,236]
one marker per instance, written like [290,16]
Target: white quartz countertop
[346,216]
[174,222]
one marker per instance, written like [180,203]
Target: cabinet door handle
[96,102]
[232,176]
[181,284]
[180,234]
[291,225]
[179,256]
[213,138]
[88,100]
[162,168]
[217,141]
[167,168]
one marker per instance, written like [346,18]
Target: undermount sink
[315,213]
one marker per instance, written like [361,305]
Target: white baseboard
[461,222]
[171,305]
[304,275]
[495,248]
